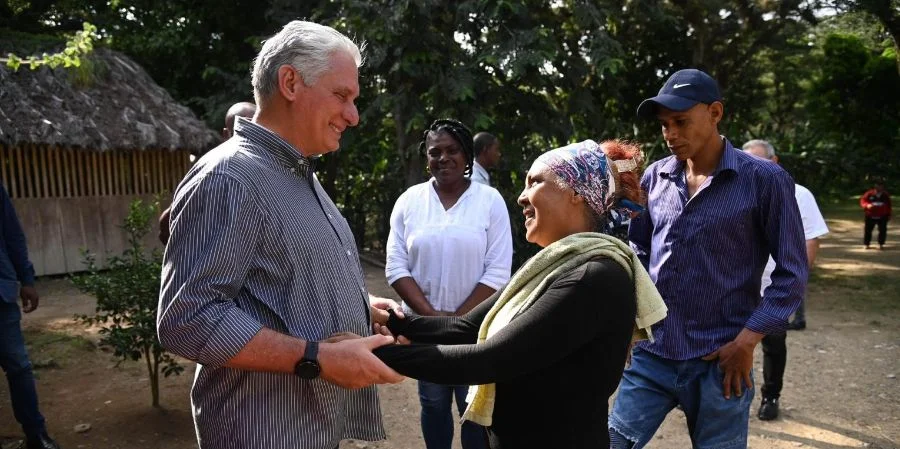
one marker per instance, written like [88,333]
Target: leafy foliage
[127,292]
[80,45]
[537,74]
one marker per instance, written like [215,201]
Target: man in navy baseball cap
[682,91]
[713,216]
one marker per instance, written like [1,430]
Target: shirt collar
[478,168]
[281,151]
[728,162]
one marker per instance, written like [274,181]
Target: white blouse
[448,252]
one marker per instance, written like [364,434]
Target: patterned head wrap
[584,167]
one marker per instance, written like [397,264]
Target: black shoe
[43,441]
[768,410]
[796,325]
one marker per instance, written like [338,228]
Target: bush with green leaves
[127,290]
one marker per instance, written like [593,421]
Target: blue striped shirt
[706,254]
[257,242]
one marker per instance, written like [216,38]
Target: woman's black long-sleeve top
[555,364]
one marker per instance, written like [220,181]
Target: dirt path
[841,387]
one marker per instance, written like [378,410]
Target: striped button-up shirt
[257,242]
[706,253]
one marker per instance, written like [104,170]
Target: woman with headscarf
[546,352]
[449,249]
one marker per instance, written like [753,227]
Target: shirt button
[349,253]
[293,170]
[329,216]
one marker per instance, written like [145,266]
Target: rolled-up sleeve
[783,228]
[214,224]
[397,260]
[498,259]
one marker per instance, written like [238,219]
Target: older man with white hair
[261,268]
[774,345]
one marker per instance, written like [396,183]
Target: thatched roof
[112,104]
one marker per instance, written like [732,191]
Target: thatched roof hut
[114,106]
[77,146]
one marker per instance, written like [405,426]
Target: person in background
[714,214]
[449,248]
[876,204]
[17,281]
[774,345]
[547,350]
[487,157]
[242,109]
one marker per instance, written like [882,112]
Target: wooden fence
[69,200]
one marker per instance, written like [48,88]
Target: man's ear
[289,82]
[716,111]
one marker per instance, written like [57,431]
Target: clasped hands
[378,308]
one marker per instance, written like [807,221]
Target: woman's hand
[383,330]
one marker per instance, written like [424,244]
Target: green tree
[854,104]
[127,291]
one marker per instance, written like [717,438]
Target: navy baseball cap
[684,89]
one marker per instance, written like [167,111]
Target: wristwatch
[308,366]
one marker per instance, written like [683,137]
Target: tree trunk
[153,373]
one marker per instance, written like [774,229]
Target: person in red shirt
[876,203]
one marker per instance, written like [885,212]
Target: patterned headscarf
[584,167]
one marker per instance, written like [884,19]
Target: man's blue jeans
[652,386]
[15,363]
[437,417]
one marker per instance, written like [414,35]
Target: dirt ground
[841,387]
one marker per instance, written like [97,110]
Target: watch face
[307,369]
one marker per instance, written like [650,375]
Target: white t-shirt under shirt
[813,226]
[448,252]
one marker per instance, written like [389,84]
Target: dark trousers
[882,230]
[14,361]
[774,360]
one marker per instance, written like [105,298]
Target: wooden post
[58,169]
[161,172]
[50,173]
[108,178]
[83,172]
[20,173]
[40,171]
[67,167]
[95,163]
[123,172]
[27,184]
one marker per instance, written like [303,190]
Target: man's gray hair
[306,46]
[770,150]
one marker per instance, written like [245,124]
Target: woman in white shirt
[450,247]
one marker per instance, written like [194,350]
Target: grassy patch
[50,350]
